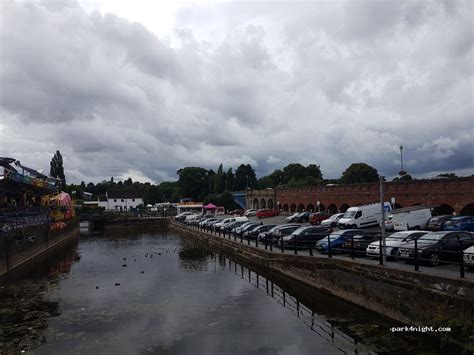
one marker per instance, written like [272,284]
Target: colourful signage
[14,176]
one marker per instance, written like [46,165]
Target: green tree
[225,199]
[314,171]
[245,177]
[294,171]
[359,173]
[56,167]
[193,182]
[403,178]
[219,180]
[230,180]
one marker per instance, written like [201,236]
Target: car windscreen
[349,214]
[431,237]
[300,231]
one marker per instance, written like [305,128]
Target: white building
[121,201]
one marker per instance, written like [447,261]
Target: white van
[363,216]
[414,217]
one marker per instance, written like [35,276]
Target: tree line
[205,185]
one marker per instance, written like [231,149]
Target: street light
[401,172]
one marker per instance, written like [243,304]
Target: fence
[437,253]
[19,245]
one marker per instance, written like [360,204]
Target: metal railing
[353,248]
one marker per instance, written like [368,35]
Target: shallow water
[162,293]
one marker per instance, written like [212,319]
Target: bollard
[352,247]
[310,248]
[266,284]
[416,255]
[241,237]
[294,246]
[461,261]
[219,232]
[284,298]
[256,243]
[380,251]
[264,242]
[271,246]
[248,241]
[329,247]
[235,236]
[281,245]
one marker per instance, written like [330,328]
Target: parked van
[414,217]
[363,216]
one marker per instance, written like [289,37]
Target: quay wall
[405,296]
[19,248]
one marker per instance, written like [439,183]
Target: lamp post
[401,172]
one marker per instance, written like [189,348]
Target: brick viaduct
[451,195]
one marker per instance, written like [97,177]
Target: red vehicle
[318,217]
[238,211]
[266,213]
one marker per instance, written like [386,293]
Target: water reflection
[134,293]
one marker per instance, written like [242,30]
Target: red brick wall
[456,193]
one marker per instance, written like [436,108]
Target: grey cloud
[303,82]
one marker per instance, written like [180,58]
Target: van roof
[413,208]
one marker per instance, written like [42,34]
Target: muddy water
[162,293]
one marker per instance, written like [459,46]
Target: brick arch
[270,204]
[263,203]
[332,208]
[292,208]
[300,207]
[321,208]
[467,210]
[344,207]
[310,207]
[286,208]
[255,203]
[443,208]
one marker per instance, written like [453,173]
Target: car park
[436,247]
[266,213]
[224,222]
[253,233]
[181,217]
[206,220]
[233,225]
[358,243]
[306,237]
[274,234]
[436,223]
[336,240]
[393,243]
[317,217]
[461,223]
[332,221]
[245,227]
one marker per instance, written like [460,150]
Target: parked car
[436,223]
[393,243]
[414,217]
[302,217]
[238,212]
[291,218]
[332,221]
[363,216]
[206,220]
[233,225]
[223,222]
[318,217]
[469,258]
[388,223]
[439,246]
[337,239]
[461,223]
[253,233]
[250,212]
[359,243]
[266,213]
[274,234]
[182,216]
[244,227]
[305,237]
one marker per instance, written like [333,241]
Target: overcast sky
[141,89]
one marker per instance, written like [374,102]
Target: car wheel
[433,259]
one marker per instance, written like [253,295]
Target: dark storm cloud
[325,83]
